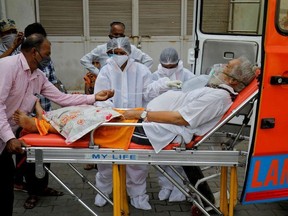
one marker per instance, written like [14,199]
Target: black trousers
[35,186]
[139,136]
[7,169]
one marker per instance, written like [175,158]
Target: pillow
[75,121]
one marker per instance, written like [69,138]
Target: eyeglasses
[113,52]
[170,66]
[116,36]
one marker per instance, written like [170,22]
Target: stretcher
[53,149]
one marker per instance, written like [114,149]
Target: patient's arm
[169,117]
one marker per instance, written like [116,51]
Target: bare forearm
[8,52]
[168,117]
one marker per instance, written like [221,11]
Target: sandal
[31,202]
[89,166]
[52,192]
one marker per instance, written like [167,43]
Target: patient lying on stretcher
[187,113]
[190,113]
[194,112]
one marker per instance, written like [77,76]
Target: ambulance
[204,32]
[266,45]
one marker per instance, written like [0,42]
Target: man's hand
[14,146]
[104,95]
[18,40]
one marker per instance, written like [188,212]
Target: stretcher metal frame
[119,158]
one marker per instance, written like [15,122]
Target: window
[160,17]
[231,17]
[64,18]
[156,17]
[103,12]
[190,8]
[282,16]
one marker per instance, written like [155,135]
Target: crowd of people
[119,76]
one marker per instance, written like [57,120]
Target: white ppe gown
[168,190]
[130,87]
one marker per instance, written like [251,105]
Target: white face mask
[8,40]
[120,59]
[168,72]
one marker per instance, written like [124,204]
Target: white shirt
[100,53]
[202,108]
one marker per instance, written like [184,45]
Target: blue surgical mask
[44,63]
[8,40]
[110,55]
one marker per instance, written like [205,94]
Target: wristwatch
[143,115]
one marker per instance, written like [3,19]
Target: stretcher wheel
[195,211]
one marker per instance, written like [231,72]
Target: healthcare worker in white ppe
[170,74]
[170,70]
[171,66]
[129,79]
[117,30]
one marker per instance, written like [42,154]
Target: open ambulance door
[267,169]
[223,30]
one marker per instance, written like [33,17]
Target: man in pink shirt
[20,81]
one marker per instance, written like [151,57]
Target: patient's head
[238,73]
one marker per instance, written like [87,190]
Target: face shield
[215,75]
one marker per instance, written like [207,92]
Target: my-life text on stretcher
[53,149]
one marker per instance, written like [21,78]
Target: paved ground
[67,205]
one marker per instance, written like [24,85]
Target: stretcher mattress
[56,140]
